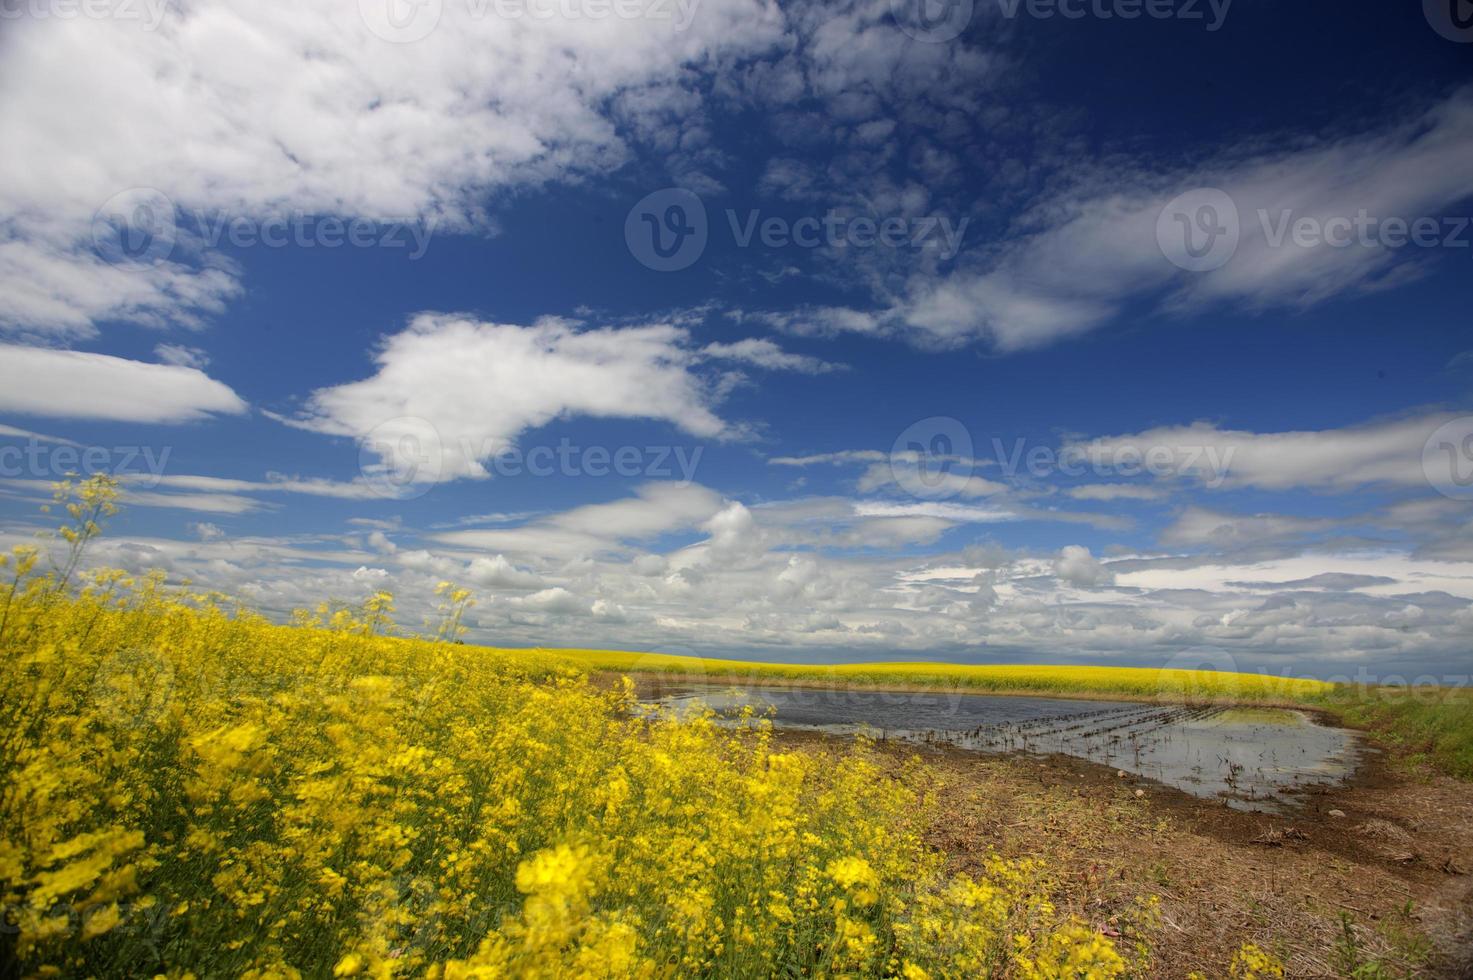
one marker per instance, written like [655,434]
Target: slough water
[1250,758]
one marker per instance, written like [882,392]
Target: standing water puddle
[1252,758]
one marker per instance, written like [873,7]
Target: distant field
[1145,682]
[1421,725]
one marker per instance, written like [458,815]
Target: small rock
[1140,793]
[1337,813]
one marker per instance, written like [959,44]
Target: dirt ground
[1370,879]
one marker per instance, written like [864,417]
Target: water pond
[1251,758]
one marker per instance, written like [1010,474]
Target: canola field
[1142,682]
[191,791]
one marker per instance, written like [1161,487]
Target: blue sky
[827,446]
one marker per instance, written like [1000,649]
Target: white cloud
[11,432]
[209,503]
[1387,452]
[596,529]
[498,573]
[276,483]
[464,391]
[380,542]
[961,513]
[254,110]
[1114,491]
[763,353]
[182,355]
[902,472]
[1076,566]
[1073,260]
[1203,526]
[73,384]
[206,531]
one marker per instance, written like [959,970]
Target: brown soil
[1386,884]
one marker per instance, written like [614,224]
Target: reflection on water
[1254,759]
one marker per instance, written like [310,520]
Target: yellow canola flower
[246,799]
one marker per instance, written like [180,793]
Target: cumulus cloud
[792,579]
[497,573]
[451,393]
[1076,566]
[73,384]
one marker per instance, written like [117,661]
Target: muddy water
[1253,759]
